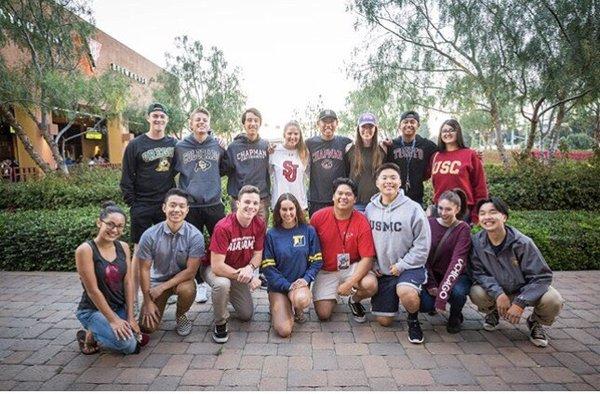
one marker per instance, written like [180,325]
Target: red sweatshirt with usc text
[459,169]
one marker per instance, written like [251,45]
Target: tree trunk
[597,125]
[43,129]
[533,126]
[555,129]
[494,113]
[6,114]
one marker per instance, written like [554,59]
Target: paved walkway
[38,349]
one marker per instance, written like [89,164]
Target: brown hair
[248,189]
[277,220]
[456,197]
[459,136]
[358,165]
[252,111]
[301,147]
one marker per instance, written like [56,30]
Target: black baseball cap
[410,115]
[327,113]
[156,107]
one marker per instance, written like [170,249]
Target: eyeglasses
[112,226]
[448,131]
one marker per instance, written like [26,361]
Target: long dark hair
[277,220]
[459,136]
[358,165]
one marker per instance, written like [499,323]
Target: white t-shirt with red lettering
[289,175]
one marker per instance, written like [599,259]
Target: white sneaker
[201,293]
[172,299]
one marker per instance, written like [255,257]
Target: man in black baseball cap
[156,107]
[326,161]
[412,153]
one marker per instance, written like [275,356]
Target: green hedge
[530,185]
[47,239]
[84,187]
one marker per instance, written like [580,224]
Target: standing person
[364,156]
[402,239]
[248,160]
[106,306]
[291,260]
[169,253]
[348,251]
[148,172]
[456,166]
[288,163]
[447,278]
[326,161]
[412,154]
[511,274]
[236,249]
[200,161]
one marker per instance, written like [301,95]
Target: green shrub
[46,239]
[579,141]
[562,185]
[84,187]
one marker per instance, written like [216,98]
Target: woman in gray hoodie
[402,240]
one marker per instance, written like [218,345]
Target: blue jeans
[457,299]
[94,321]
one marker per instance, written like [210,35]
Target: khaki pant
[545,310]
[185,291]
[225,290]
[263,208]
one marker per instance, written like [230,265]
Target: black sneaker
[263,282]
[220,333]
[537,334]
[358,311]
[454,322]
[415,334]
[491,320]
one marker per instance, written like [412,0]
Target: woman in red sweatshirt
[456,166]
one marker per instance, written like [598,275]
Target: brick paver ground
[38,348]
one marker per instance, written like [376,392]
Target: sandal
[85,347]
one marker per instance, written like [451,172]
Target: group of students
[368,235]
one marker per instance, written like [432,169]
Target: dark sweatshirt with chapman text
[248,164]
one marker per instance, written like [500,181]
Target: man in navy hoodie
[248,160]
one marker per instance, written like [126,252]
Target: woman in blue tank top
[106,306]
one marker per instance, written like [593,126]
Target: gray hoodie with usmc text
[401,233]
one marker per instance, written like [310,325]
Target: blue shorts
[385,302]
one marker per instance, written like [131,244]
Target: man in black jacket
[148,172]
[412,153]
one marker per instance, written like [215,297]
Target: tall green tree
[51,37]
[205,79]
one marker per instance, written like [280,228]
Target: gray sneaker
[184,325]
[492,319]
[537,334]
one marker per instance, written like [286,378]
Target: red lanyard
[337,226]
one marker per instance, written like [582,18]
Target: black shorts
[143,217]
[207,217]
[386,301]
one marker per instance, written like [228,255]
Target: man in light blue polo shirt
[169,253]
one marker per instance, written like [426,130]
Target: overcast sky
[289,51]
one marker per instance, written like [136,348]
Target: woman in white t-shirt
[288,164]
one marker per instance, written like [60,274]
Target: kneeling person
[291,260]
[348,251]
[510,274]
[169,253]
[236,252]
[402,240]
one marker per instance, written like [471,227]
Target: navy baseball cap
[410,115]
[156,107]
[327,113]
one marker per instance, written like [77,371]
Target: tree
[52,39]
[205,80]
